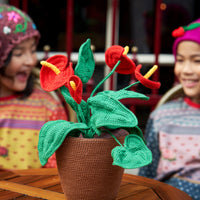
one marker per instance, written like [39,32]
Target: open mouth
[22,76]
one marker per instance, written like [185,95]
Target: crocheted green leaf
[133,154]
[122,94]
[136,130]
[110,113]
[84,111]
[85,65]
[52,135]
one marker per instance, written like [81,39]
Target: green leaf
[85,65]
[136,130]
[52,135]
[133,154]
[123,94]
[110,113]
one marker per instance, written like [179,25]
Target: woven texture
[191,35]
[149,84]
[15,26]
[86,170]
[25,118]
[115,53]
[65,71]
[102,110]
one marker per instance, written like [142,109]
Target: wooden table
[44,183]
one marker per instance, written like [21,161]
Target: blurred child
[24,108]
[173,129]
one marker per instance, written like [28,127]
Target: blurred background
[144,25]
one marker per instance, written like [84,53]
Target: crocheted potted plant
[93,152]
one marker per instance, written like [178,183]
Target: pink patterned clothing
[173,136]
[20,123]
[177,152]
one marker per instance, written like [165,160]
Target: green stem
[111,72]
[191,26]
[113,137]
[131,85]
[76,107]
[80,113]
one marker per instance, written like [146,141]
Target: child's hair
[15,26]
[190,32]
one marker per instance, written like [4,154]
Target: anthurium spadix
[102,111]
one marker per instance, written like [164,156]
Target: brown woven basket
[85,168]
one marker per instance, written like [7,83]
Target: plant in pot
[93,152]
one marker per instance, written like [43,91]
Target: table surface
[44,183]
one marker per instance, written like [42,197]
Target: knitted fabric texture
[21,121]
[101,112]
[63,72]
[174,146]
[150,84]
[116,53]
[15,26]
[189,33]
[86,170]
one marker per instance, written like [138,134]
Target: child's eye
[17,54]
[197,61]
[33,51]
[179,60]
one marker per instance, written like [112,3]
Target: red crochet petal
[146,82]
[127,66]
[49,79]
[114,54]
[178,32]
[75,94]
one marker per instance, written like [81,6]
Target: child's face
[19,68]
[187,68]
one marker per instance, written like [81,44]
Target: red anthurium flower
[55,72]
[116,53]
[178,32]
[144,79]
[75,87]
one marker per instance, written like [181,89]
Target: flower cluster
[102,111]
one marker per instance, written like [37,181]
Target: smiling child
[24,107]
[172,131]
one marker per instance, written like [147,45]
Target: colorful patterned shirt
[20,123]
[173,135]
